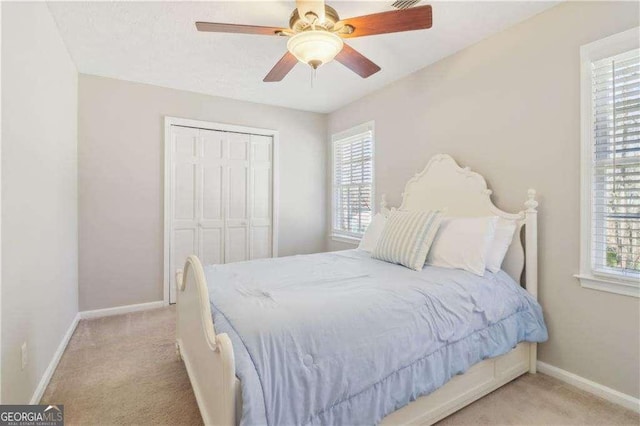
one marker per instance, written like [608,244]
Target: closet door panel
[212,161]
[184,200]
[212,245]
[238,146]
[184,242]
[237,195]
[212,144]
[261,186]
[237,192]
[236,244]
[261,197]
[261,146]
[261,242]
[238,176]
[185,192]
[184,143]
[212,202]
[211,225]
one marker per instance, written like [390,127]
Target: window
[610,254]
[353,182]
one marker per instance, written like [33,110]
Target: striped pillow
[407,237]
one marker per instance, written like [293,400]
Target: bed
[352,337]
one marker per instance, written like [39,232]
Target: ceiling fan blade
[356,62]
[314,6]
[237,28]
[395,21]
[282,68]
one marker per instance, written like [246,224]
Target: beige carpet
[124,370]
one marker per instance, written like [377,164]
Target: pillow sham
[407,237]
[501,242]
[373,233]
[463,243]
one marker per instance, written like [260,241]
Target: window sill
[345,239]
[611,285]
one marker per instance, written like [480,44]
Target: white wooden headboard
[443,185]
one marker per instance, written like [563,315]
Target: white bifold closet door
[221,197]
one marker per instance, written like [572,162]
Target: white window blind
[352,182]
[615,100]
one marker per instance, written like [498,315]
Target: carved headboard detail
[457,191]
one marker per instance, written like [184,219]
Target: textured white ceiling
[157,43]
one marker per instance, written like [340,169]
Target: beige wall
[121,163]
[509,108]
[39,195]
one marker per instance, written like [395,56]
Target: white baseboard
[46,377]
[48,373]
[587,385]
[97,313]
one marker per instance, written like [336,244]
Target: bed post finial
[531,204]
[384,209]
[531,242]
[531,261]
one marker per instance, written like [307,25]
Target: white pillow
[373,232]
[463,243]
[501,243]
[406,238]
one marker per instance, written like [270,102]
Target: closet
[219,186]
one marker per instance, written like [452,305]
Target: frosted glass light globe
[315,47]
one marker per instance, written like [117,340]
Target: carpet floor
[123,370]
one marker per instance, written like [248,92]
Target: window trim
[335,234]
[596,280]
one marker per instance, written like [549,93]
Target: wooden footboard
[207,356]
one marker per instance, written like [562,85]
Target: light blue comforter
[343,339]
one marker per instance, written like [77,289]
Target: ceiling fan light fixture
[315,47]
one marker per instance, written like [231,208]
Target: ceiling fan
[316,32]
